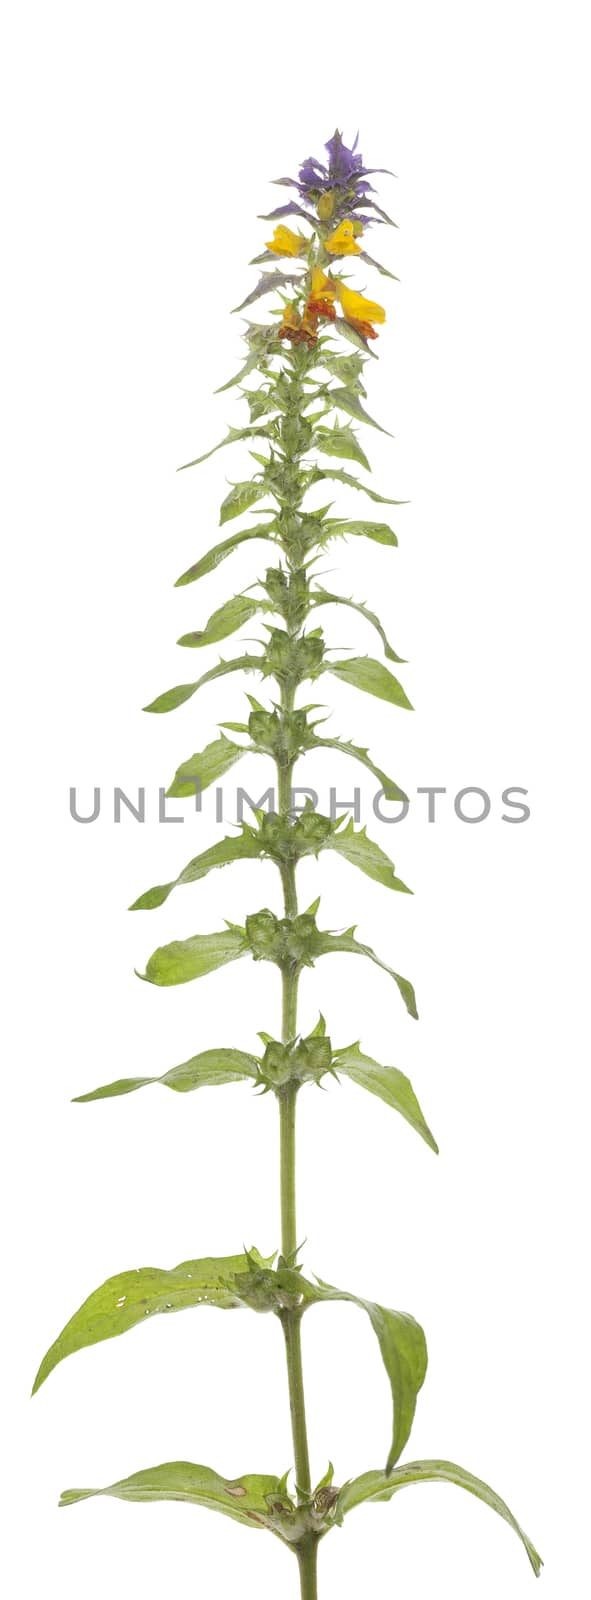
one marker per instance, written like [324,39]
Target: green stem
[291,1320]
[308,1562]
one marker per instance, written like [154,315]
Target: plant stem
[291,1320]
[308,1562]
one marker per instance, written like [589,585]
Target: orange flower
[322,295]
[299,330]
[290,324]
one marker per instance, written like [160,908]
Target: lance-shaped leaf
[251,362]
[219,552]
[321,597]
[365,854]
[353,335]
[391,789]
[205,767]
[331,943]
[130,1297]
[246,846]
[173,698]
[384,271]
[240,498]
[383,215]
[186,959]
[340,442]
[354,483]
[387,1083]
[376,1486]
[232,437]
[341,528]
[248,1499]
[269,281]
[210,1069]
[372,677]
[404,1354]
[347,400]
[226,620]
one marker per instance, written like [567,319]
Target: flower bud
[326,205]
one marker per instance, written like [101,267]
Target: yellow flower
[285,242]
[343,242]
[322,287]
[361,313]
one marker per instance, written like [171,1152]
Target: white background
[139,141]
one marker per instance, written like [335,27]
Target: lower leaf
[127,1299]
[404,1353]
[247,1499]
[333,942]
[207,1070]
[205,767]
[186,959]
[387,1083]
[379,1486]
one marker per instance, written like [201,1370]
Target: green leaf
[378,266]
[404,1354]
[333,942]
[347,368]
[349,332]
[371,676]
[205,767]
[212,559]
[365,854]
[209,1070]
[186,959]
[269,281]
[390,788]
[388,1084]
[130,1297]
[226,620]
[342,527]
[251,362]
[340,442]
[173,698]
[246,1499]
[246,846]
[354,483]
[321,597]
[241,496]
[347,400]
[232,437]
[375,1486]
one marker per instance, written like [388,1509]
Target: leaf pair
[206,766]
[248,1499]
[249,845]
[215,1068]
[124,1301]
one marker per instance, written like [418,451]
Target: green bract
[302,413]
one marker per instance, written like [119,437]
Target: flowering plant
[309,382]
